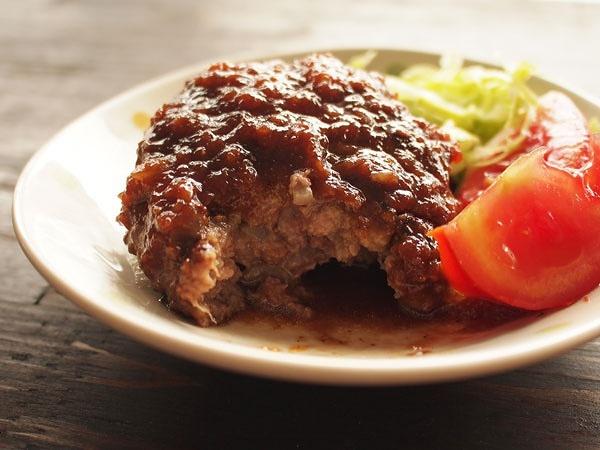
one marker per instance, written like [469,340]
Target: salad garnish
[487,111]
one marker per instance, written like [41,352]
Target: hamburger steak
[258,172]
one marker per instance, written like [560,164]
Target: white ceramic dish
[64,215]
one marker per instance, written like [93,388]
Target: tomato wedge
[559,123]
[532,239]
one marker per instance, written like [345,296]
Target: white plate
[64,215]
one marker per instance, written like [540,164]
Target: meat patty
[257,172]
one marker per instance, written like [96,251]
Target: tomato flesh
[531,239]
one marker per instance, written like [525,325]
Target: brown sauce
[354,307]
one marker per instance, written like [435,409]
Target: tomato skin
[531,240]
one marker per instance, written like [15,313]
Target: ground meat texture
[256,173]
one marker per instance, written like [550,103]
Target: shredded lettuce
[466,141]
[493,108]
[362,60]
[486,111]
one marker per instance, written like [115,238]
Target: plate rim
[296,367]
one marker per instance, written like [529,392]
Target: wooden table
[68,381]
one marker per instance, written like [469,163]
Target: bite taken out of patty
[257,172]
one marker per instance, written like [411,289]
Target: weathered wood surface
[68,381]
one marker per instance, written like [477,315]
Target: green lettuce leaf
[489,110]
